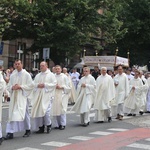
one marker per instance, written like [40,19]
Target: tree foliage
[67,25]
[64,26]
[136,19]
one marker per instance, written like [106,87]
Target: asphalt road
[133,133]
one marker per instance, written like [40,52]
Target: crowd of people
[110,93]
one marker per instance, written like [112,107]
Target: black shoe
[72,103]
[62,127]
[9,136]
[86,124]
[109,119]
[141,112]
[100,121]
[41,130]
[1,140]
[129,115]
[49,128]
[117,116]
[56,128]
[134,115]
[27,133]
[120,117]
[147,112]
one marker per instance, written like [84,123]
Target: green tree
[136,19]
[19,15]
[64,26]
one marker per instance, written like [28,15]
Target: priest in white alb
[86,92]
[2,88]
[60,102]
[42,97]
[144,93]
[20,86]
[148,96]
[132,103]
[122,91]
[105,94]
[72,97]
[75,77]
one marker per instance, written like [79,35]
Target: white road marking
[27,148]
[147,139]
[117,129]
[56,144]
[82,138]
[101,133]
[139,146]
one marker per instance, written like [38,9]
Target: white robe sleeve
[27,88]
[49,87]
[66,85]
[90,88]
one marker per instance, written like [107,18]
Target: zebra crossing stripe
[28,148]
[117,129]
[82,138]
[147,139]
[101,133]
[139,146]
[56,144]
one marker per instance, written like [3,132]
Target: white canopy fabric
[103,61]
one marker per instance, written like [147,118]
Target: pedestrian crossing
[60,144]
[90,136]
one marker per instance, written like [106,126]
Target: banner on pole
[1,48]
[46,53]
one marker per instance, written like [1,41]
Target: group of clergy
[109,96]
[49,93]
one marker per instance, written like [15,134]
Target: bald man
[105,94]
[86,92]
[42,97]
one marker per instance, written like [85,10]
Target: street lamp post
[128,54]
[35,55]
[116,56]
[96,53]
[84,52]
